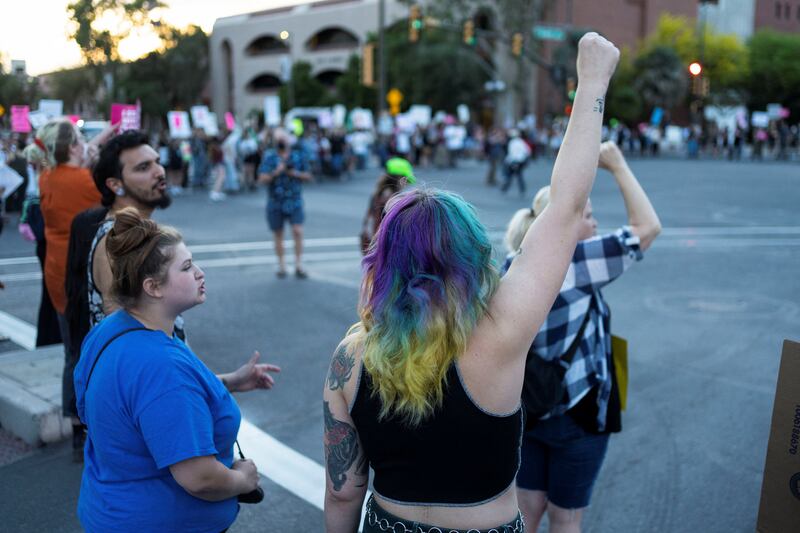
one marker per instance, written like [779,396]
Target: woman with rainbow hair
[425,389]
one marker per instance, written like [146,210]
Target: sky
[36,30]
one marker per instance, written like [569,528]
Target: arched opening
[328,77]
[264,83]
[227,62]
[266,45]
[331,39]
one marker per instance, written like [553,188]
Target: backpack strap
[109,341]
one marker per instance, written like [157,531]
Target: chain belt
[385,521]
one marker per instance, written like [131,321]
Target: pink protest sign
[19,119]
[230,122]
[179,127]
[74,118]
[126,115]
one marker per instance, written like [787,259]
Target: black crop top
[460,455]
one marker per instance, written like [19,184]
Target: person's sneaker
[281,273]
[78,442]
[300,273]
[216,196]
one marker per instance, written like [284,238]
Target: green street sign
[549,33]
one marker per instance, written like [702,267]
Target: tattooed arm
[345,463]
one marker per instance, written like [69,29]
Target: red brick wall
[781,15]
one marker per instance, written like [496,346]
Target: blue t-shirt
[151,403]
[285,192]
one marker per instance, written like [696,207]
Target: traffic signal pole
[381,57]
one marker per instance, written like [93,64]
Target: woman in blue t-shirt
[159,451]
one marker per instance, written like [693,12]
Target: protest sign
[19,119]
[272,110]
[51,108]
[179,125]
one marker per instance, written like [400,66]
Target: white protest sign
[9,180]
[199,116]
[51,108]
[463,113]
[774,111]
[37,119]
[339,115]
[760,119]
[272,110]
[325,120]
[421,114]
[362,118]
[405,122]
[212,125]
[179,125]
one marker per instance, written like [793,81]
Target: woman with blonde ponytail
[65,189]
[564,444]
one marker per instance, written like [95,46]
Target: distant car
[91,128]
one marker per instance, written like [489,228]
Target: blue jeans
[563,460]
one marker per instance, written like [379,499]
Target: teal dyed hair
[428,277]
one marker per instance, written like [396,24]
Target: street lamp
[695,68]
[289,79]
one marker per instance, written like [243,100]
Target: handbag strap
[573,348]
[109,341]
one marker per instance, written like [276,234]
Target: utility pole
[381,58]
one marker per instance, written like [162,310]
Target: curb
[30,395]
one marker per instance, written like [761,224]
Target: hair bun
[130,232]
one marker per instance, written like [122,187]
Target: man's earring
[120,192]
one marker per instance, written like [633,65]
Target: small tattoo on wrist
[598,105]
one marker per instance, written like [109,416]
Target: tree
[100,45]
[623,101]
[724,57]
[350,91]
[507,17]
[774,70]
[307,91]
[660,77]
[171,78]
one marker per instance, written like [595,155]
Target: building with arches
[252,53]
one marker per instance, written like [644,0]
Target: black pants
[511,171]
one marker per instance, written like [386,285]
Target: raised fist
[611,157]
[597,59]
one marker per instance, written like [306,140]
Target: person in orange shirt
[66,188]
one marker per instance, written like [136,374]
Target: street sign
[549,33]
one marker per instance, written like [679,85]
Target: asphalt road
[705,315]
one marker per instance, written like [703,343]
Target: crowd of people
[481,398]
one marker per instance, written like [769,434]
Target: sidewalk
[30,395]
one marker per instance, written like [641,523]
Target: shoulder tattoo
[341,449]
[341,368]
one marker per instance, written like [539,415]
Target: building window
[787,11]
[332,39]
[777,10]
[264,83]
[266,45]
[798,12]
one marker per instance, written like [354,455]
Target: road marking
[494,235]
[300,475]
[18,331]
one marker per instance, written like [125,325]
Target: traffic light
[516,44]
[367,65]
[695,68]
[571,89]
[414,23]
[469,32]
